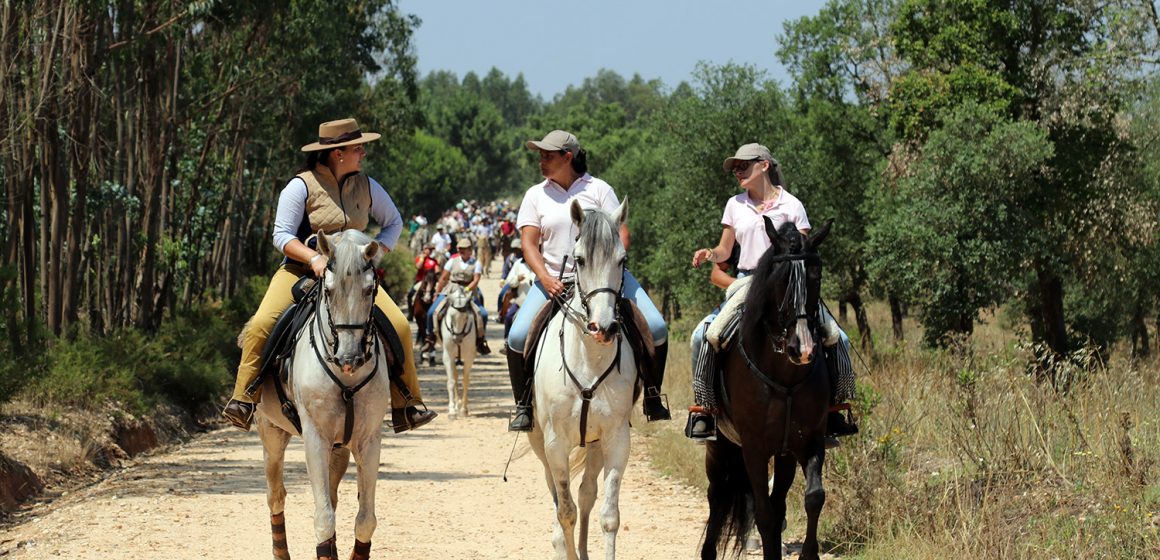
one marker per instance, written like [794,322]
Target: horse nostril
[593,328]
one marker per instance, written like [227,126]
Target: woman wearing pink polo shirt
[547,236]
[765,196]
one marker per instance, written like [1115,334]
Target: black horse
[774,396]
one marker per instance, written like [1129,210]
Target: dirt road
[440,496]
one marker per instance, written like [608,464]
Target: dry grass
[965,454]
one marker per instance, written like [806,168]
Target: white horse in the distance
[584,387]
[457,334]
[336,353]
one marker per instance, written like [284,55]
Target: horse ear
[620,216]
[371,251]
[771,231]
[819,235]
[577,213]
[324,246]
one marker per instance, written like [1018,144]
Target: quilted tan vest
[331,211]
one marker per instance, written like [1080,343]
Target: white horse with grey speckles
[584,387]
[339,383]
[457,334]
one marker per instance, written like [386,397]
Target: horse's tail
[577,460]
[730,498]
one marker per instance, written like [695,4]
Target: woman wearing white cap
[548,234]
[329,195]
[743,223]
[463,269]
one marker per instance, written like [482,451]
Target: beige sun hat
[336,134]
[557,140]
[756,152]
[463,243]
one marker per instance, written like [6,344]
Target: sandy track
[440,496]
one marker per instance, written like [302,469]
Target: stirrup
[657,399]
[700,415]
[410,417]
[240,414]
[522,419]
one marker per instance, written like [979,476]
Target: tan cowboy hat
[336,134]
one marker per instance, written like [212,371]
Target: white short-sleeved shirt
[749,227]
[548,206]
[441,241]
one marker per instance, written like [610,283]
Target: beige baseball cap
[464,243]
[556,140]
[749,152]
[756,152]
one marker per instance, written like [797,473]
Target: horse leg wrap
[278,532]
[362,550]
[328,549]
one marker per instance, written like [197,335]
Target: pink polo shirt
[748,227]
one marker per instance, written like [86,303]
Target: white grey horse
[336,354]
[584,388]
[457,333]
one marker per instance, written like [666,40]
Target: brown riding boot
[239,413]
[409,418]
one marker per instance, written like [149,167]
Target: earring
[340,160]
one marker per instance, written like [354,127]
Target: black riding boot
[521,390]
[837,424]
[654,401]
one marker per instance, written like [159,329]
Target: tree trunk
[865,336]
[896,318]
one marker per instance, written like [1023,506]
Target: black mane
[761,294]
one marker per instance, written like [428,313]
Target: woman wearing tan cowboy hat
[330,194]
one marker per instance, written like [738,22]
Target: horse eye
[579,261]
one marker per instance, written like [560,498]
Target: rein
[347,392]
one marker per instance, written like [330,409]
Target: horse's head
[457,297]
[786,290]
[600,258]
[427,287]
[349,288]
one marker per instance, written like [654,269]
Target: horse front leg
[463,386]
[274,442]
[593,463]
[564,540]
[815,498]
[367,456]
[318,468]
[615,450]
[766,511]
[452,375]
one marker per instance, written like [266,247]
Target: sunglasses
[743,165]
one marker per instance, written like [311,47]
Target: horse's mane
[598,233]
[760,290]
[348,255]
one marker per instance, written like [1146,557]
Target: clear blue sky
[556,44]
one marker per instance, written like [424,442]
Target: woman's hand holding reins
[551,285]
[318,265]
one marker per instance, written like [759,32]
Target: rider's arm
[474,282]
[384,211]
[720,277]
[717,254]
[443,278]
[530,240]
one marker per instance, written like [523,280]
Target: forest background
[986,164]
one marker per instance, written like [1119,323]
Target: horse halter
[367,327]
[458,335]
[617,293]
[794,299]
